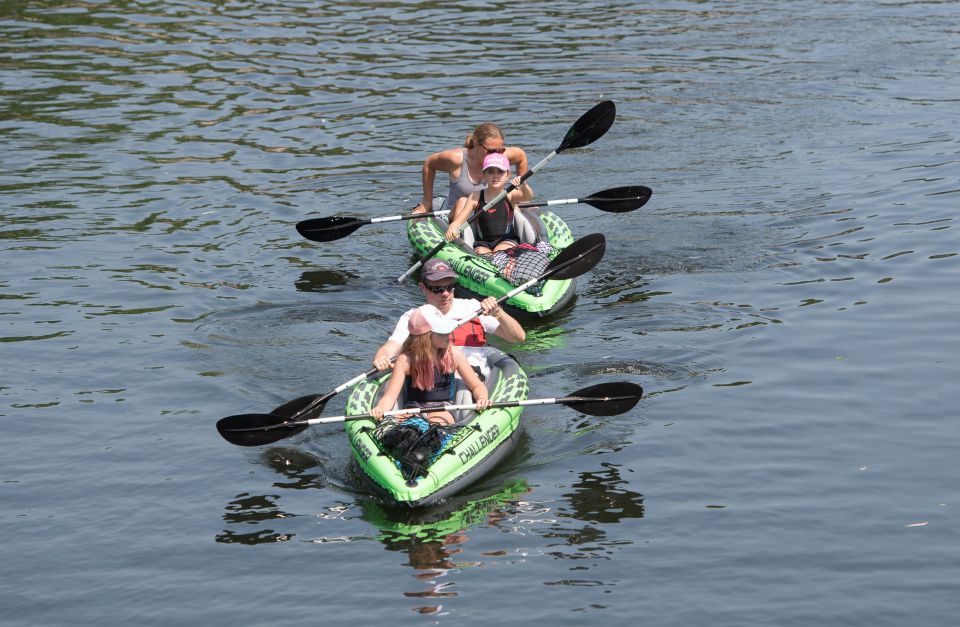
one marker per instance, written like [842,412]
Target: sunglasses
[440,289]
[490,151]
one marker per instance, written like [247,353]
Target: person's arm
[521,193]
[445,161]
[394,386]
[459,215]
[473,382]
[508,328]
[381,360]
[517,157]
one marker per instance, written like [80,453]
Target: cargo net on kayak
[413,443]
[523,262]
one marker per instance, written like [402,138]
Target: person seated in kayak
[437,280]
[493,229]
[426,364]
[465,165]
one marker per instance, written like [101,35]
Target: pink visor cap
[496,160]
[428,318]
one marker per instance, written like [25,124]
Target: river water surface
[788,299]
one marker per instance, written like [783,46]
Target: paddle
[616,200]
[590,127]
[576,259]
[605,399]
[337,227]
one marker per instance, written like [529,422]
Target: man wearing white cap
[437,280]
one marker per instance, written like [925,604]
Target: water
[787,299]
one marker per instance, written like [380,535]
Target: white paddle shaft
[451,408]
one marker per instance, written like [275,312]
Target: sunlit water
[788,299]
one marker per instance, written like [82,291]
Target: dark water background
[788,299]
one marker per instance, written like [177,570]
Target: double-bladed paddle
[604,399]
[590,127]
[576,259]
[615,200]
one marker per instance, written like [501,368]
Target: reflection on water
[544,336]
[264,509]
[431,538]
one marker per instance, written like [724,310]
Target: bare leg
[440,417]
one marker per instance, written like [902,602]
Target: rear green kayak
[479,278]
[478,444]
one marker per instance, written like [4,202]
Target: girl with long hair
[427,363]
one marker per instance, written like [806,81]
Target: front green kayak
[478,443]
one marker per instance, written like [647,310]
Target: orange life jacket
[469,334]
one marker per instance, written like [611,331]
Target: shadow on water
[323,280]
[586,523]
[602,497]
[295,470]
[249,509]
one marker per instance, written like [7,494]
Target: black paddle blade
[296,407]
[329,229]
[257,429]
[578,258]
[620,199]
[605,399]
[590,127]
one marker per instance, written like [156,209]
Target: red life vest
[469,334]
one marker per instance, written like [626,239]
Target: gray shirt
[462,185]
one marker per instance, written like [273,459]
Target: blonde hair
[424,359]
[482,133]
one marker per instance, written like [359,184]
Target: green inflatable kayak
[480,278]
[476,444]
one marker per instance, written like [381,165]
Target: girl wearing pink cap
[427,363]
[493,229]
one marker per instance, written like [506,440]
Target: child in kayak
[493,229]
[427,363]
